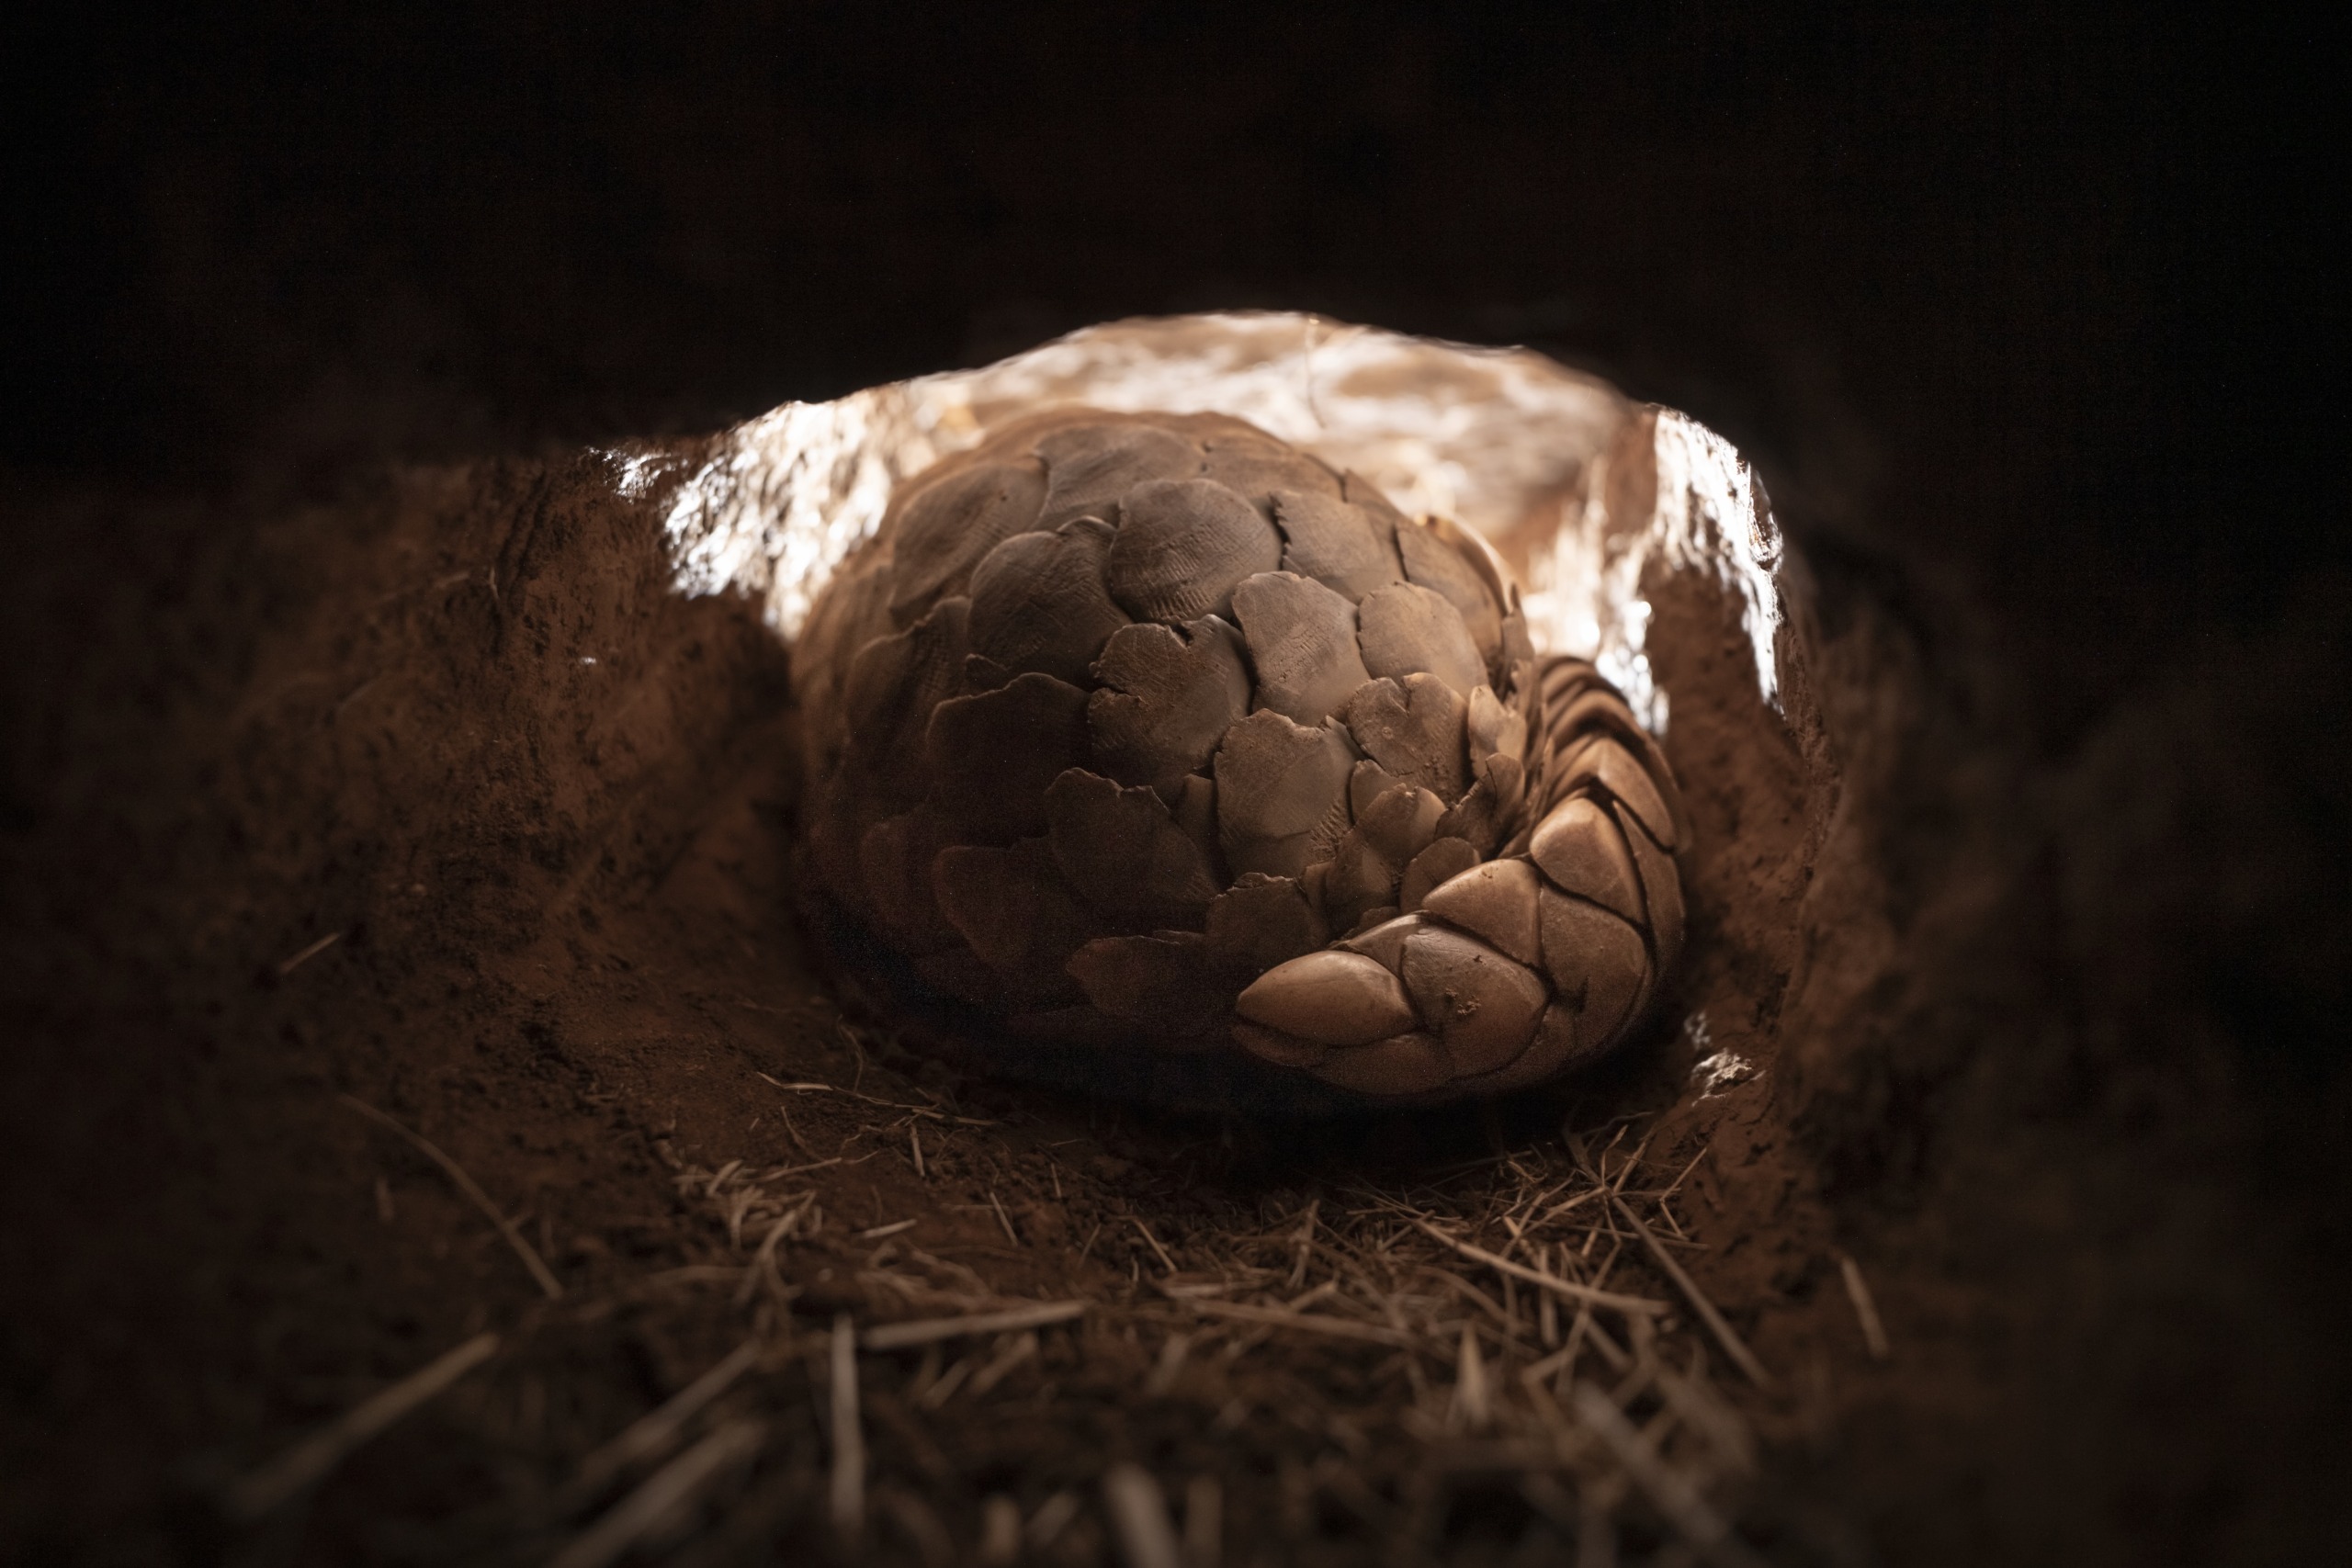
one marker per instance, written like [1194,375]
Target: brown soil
[566,953]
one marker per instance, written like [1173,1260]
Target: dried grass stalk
[847,1493]
[263,1489]
[473,1192]
[289,965]
[1139,1518]
[667,1491]
[1337,1327]
[657,1429]
[1628,1305]
[932,1330]
[1865,1309]
[1689,1513]
[1734,1347]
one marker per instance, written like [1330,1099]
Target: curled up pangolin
[1154,743]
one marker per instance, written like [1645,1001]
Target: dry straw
[1498,1317]
[472,1192]
[263,1489]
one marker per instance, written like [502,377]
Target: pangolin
[1154,737]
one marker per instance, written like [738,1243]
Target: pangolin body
[1154,734]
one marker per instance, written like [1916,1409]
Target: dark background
[2066,274]
[2035,326]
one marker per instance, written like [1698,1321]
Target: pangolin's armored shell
[1154,734]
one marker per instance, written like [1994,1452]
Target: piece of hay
[472,1190]
[928,1331]
[263,1489]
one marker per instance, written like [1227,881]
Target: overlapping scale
[1039,604]
[1413,731]
[992,755]
[1182,546]
[1256,466]
[1157,733]
[1339,545]
[1168,695]
[1302,639]
[1430,563]
[946,527]
[1277,783]
[1406,629]
[1091,467]
[1122,849]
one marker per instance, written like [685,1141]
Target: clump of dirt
[436,797]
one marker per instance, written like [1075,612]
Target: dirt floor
[432,805]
